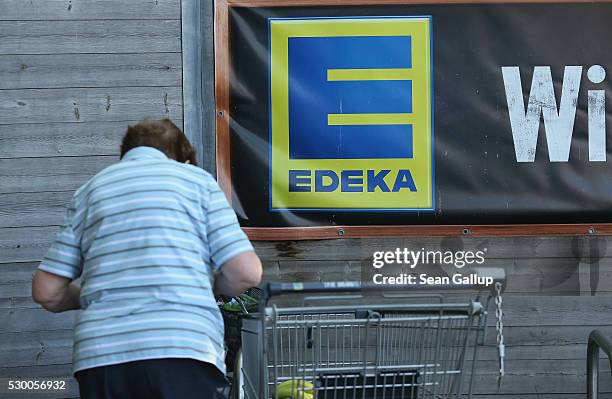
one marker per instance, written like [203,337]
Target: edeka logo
[350,114]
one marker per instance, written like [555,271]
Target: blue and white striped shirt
[146,235]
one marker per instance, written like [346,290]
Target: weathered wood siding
[548,310]
[74,73]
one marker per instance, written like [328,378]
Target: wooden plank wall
[548,307]
[74,73]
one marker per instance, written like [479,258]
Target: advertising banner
[419,114]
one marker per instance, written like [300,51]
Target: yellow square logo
[351,114]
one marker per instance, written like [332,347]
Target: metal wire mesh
[387,353]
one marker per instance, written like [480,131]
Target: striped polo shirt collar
[144,152]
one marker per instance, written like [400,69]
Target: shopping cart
[233,310]
[389,347]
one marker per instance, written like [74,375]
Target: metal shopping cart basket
[404,347]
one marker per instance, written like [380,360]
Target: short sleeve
[225,237]
[64,257]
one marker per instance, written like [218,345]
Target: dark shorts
[153,379]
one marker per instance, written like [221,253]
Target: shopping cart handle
[274,289]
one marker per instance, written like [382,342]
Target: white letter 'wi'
[558,125]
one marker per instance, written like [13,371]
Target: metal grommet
[340,232]
[466,231]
